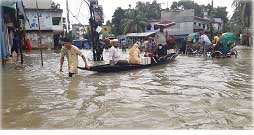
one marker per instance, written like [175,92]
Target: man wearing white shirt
[114,54]
[205,41]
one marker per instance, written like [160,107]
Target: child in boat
[134,55]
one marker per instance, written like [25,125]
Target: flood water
[190,93]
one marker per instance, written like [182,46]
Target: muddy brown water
[191,93]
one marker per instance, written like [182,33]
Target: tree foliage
[117,20]
[134,20]
[242,13]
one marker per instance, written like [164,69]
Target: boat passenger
[134,55]
[114,54]
[148,46]
[216,41]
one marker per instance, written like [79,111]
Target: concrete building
[218,24]
[78,31]
[185,22]
[151,27]
[51,22]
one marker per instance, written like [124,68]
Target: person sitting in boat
[114,54]
[216,43]
[134,55]
[148,47]
[161,42]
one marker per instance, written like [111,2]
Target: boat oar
[154,60]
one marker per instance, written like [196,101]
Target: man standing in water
[71,52]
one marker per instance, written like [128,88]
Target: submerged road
[191,93]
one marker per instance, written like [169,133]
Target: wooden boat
[116,68]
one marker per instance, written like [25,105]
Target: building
[218,24]
[185,22]
[11,21]
[78,31]
[51,22]
[151,27]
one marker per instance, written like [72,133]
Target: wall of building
[46,39]
[45,20]
[180,28]
[42,4]
[178,16]
[57,27]
[183,19]
[198,24]
[77,31]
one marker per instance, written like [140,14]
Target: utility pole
[68,18]
[39,26]
[211,19]
[19,35]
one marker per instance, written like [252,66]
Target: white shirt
[204,38]
[114,54]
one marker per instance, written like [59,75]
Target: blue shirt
[16,42]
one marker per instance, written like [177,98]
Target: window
[199,24]
[203,26]
[64,20]
[195,23]
[56,20]
[156,27]
[149,27]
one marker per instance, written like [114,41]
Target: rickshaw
[226,46]
[193,45]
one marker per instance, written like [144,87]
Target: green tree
[220,12]
[243,8]
[135,22]
[149,10]
[108,23]
[117,20]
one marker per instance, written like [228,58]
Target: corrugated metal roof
[145,34]
[165,24]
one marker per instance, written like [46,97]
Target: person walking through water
[71,52]
[16,45]
[205,41]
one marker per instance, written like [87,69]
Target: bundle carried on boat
[124,67]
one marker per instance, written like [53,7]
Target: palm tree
[244,8]
[135,22]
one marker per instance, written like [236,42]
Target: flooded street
[190,93]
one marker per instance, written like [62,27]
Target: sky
[80,9]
